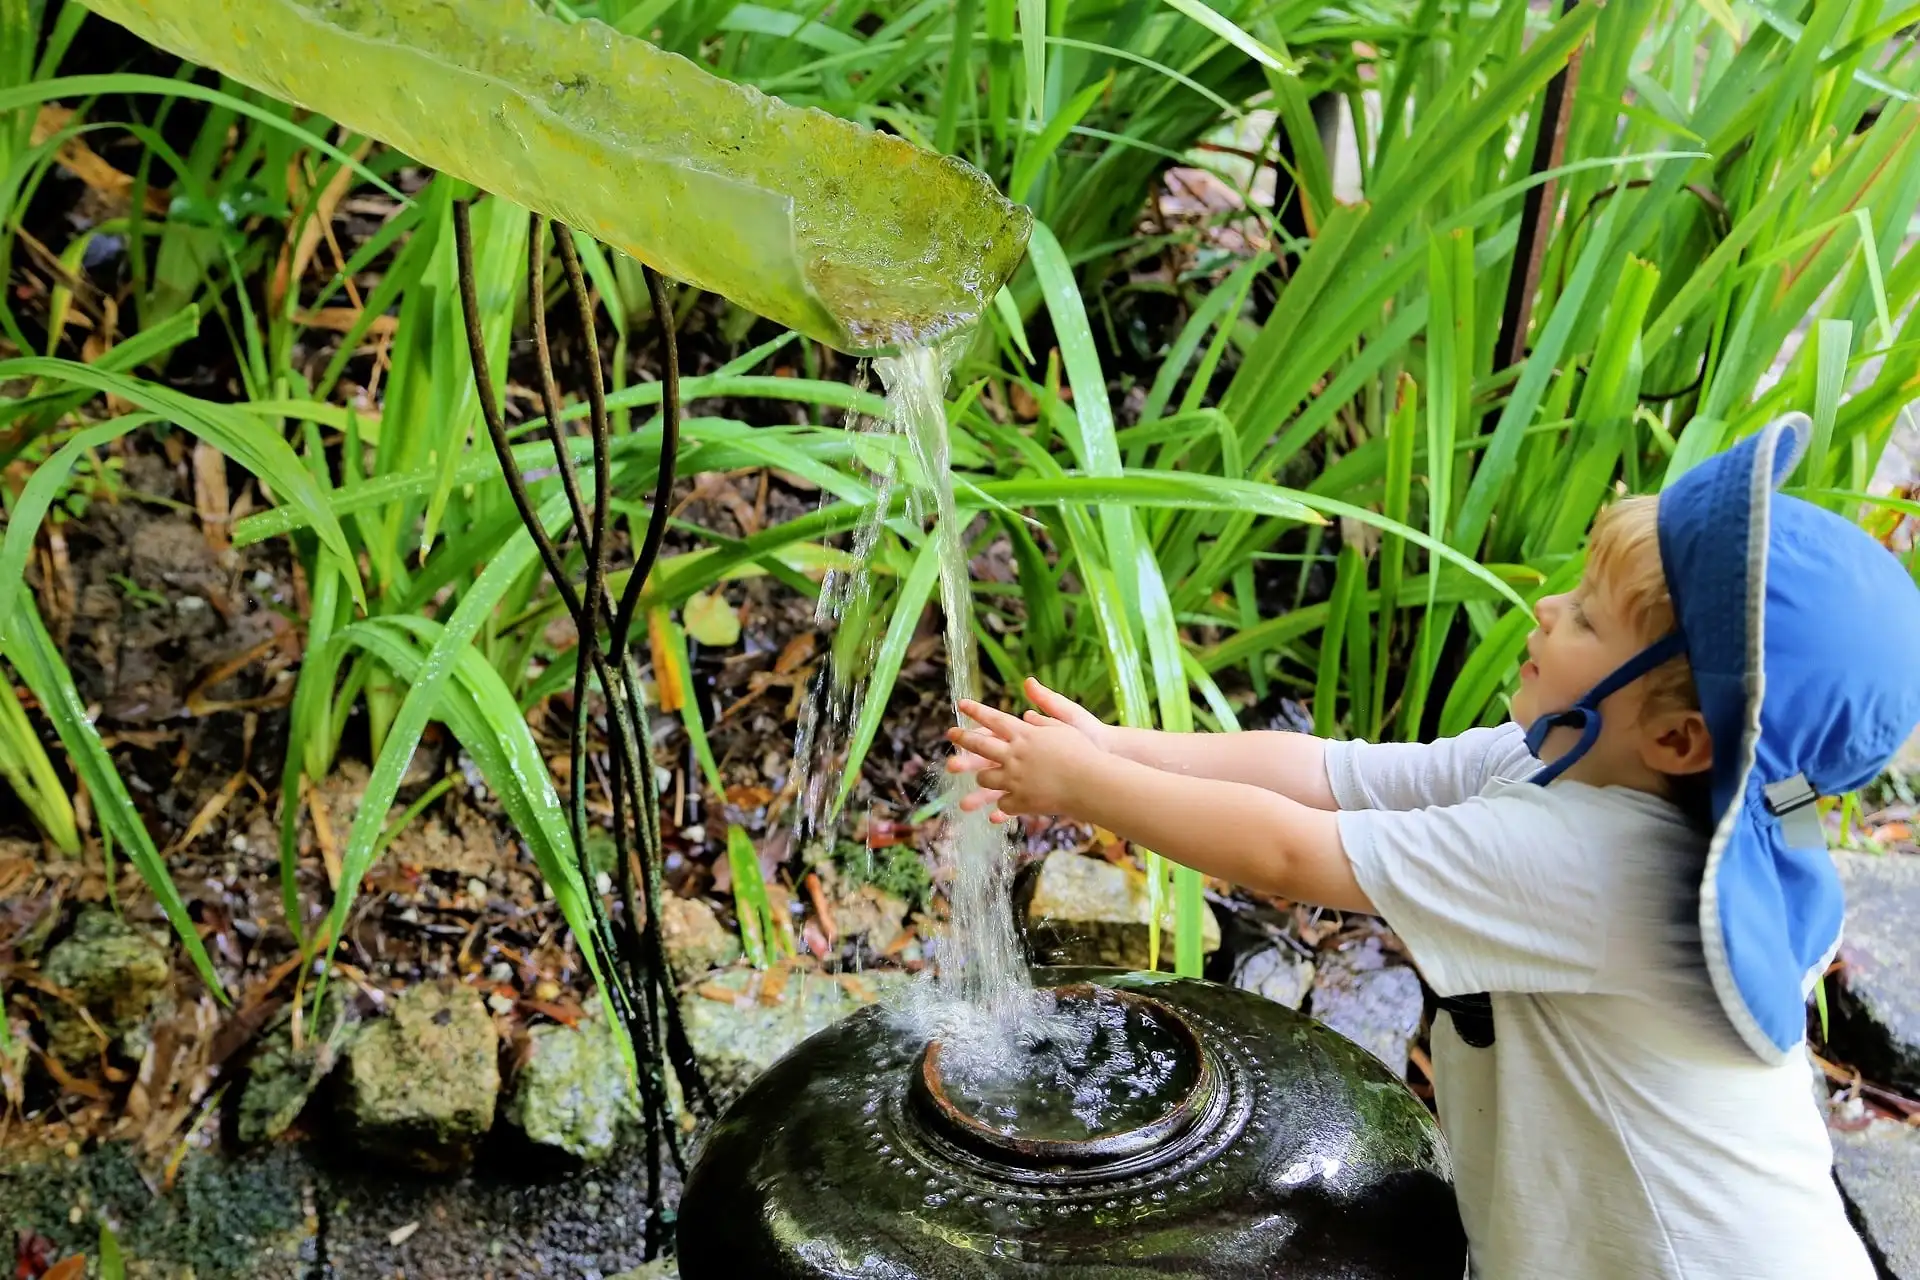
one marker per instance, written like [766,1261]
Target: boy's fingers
[1035,718]
[998,721]
[967,762]
[1057,705]
[980,743]
[976,800]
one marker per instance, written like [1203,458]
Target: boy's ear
[1676,743]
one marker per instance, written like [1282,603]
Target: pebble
[1276,973]
[1375,1004]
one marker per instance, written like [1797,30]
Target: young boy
[1632,868]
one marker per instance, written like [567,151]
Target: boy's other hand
[1031,766]
[1059,708]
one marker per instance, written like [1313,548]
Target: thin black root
[631,951]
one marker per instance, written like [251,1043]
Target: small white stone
[501,972]
[695,834]
[238,844]
[477,889]
[500,1003]
[603,882]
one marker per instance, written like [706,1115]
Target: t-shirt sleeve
[1396,775]
[1499,893]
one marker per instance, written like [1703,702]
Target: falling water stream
[982,999]
[1002,1040]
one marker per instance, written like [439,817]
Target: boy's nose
[1548,610]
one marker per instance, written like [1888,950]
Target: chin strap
[1584,715]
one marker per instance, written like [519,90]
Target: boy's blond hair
[1623,560]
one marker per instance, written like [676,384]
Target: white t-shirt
[1617,1127]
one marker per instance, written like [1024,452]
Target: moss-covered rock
[282,1076]
[420,1084]
[117,973]
[735,1040]
[695,939]
[218,1219]
[1089,911]
[574,1093]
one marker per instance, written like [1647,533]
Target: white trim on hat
[1761,485]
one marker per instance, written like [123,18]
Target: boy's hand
[1033,766]
[1054,708]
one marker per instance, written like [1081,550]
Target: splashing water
[982,997]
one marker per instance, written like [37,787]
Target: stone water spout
[851,236]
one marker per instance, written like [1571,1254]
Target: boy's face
[1582,638]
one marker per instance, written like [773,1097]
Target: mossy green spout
[857,238]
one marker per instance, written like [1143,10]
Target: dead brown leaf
[77,158]
[14,875]
[773,984]
[296,256]
[323,835]
[722,994]
[343,319]
[666,663]
[797,653]
[821,911]
[210,497]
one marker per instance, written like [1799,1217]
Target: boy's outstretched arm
[1292,764]
[1232,830]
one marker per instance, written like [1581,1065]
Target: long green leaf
[33,654]
[234,434]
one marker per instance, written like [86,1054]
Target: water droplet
[1159,1196]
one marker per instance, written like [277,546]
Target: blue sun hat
[1801,631]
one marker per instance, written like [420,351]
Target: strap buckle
[1793,803]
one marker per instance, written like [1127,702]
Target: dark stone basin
[1165,1128]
